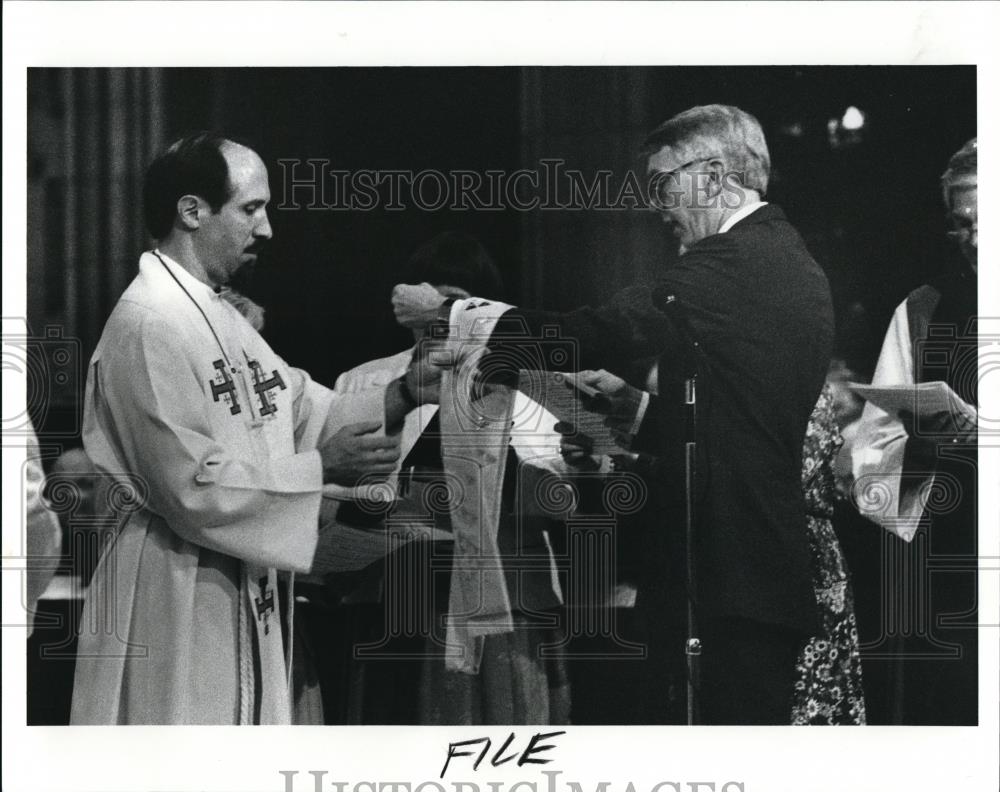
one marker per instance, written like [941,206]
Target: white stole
[475,436]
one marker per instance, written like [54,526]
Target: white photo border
[319,34]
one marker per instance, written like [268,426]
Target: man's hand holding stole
[422,380]
[358,452]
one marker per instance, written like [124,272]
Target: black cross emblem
[262,386]
[265,604]
[226,388]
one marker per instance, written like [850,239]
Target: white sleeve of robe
[318,412]
[146,394]
[880,490]
[364,387]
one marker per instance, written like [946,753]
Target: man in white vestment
[188,618]
[885,438]
[917,475]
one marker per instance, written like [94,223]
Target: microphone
[664,298]
[666,302]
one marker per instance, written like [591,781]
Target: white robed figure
[188,617]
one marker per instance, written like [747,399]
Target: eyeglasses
[660,183]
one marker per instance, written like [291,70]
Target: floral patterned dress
[828,687]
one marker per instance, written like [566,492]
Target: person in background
[42,535]
[917,475]
[85,518]
[514,683]
[847,409]
[828,688]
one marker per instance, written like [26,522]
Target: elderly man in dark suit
[747,302]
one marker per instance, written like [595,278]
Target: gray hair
[718,130]
[961,164]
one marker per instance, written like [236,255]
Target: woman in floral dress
[828,687]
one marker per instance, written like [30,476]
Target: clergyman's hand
[942,427]
[423,375]
[355,452]
[575,448]
[416,307]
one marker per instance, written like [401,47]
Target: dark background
[869,205]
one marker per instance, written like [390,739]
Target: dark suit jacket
[759,307]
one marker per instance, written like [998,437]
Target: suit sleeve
[629,327]
[146,397]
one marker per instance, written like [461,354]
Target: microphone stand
[692,645]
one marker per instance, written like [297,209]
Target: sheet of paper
[927,398]
[559,394]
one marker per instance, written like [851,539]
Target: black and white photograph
[448,404]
